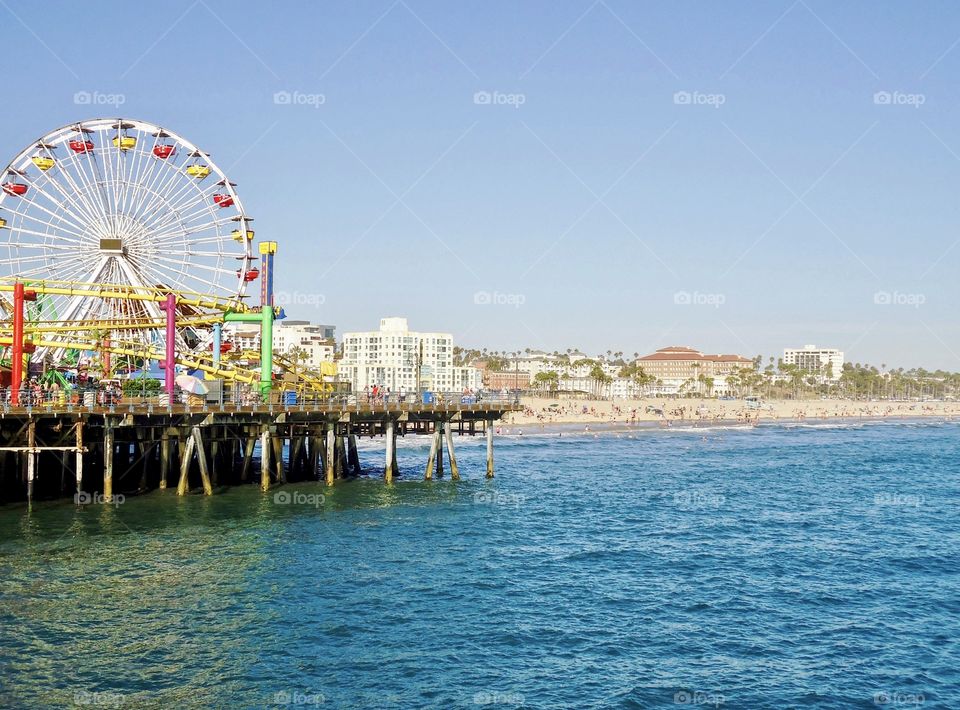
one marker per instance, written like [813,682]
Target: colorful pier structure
[124,246]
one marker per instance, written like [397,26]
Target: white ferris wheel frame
[163,224]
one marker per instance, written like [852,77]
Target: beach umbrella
[191,384]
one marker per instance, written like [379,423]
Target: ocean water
[782,566]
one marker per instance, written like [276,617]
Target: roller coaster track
[127,292]
[193,361]
[203,361]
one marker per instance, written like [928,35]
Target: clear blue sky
[598,199]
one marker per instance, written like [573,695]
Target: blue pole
[217,342]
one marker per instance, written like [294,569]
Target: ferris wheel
[122,202]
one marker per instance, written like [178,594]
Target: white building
[826,362]
[315,341]
[391,357]
[289,336]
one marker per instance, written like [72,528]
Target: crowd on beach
[670,412]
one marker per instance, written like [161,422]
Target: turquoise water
[812,567]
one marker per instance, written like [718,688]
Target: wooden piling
[391,444]
[432,457]
[489,448]
[108,446]
[31,457]
[454,471]
[186,458]
[353,454]
[248,457]
[164,458]
[202,460]
[265,447]
[79,455]
[278,459]
[440,425]
[314,444]
[329,454]
[341,456]
[394,465]
[215,455]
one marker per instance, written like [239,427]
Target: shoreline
[597,428]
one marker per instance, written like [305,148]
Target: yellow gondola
[3,223]
[238,235]
[43,162]
[124,142]
[198,171]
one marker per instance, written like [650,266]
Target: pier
[96,452]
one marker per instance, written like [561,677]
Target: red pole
[171,351]
[16,364]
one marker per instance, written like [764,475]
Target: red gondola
[222,200]
[251,275]
[15,188]
[163,151]
[79,146]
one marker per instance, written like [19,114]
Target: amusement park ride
[120,238]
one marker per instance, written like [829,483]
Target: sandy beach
[671,412]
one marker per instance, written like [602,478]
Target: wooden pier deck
[94,453]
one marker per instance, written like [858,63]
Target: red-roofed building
[677,364]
